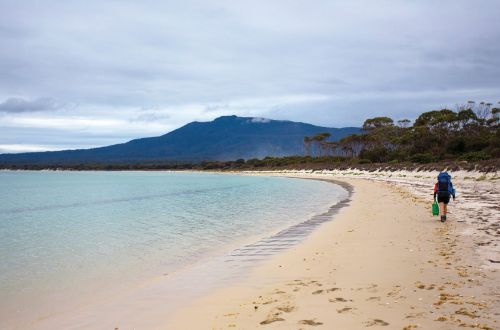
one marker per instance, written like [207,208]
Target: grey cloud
[259,120]
[216,107]
[115,58]
[19,105]
[150,117]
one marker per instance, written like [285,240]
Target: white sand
[383,262]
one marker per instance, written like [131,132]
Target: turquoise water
[65,236]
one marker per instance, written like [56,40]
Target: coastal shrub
[337,159]
[456,145]
[495,152]
[474,156]
[422,158]
[377,154]
[364,161]
[469,133]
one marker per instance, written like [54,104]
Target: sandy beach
[384,261]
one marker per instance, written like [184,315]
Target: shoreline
[263,295]
[117,311]
[369,267]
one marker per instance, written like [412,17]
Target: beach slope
[383,262]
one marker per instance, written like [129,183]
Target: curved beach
[383,262]
[147,243]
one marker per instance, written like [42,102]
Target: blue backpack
[444,183]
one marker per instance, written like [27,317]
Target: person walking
[443,189]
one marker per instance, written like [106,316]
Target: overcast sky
[90,73]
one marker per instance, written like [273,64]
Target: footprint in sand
[231,314]
[345,309]
[419,285]
[371,288]
[310,322]
[373,299]
[274,315]
[394,292]
[287,308]
[271,301]
[414,315]
[464,311]
[318,292]
[376,322]
[339,299]
[272,318]
[410,326]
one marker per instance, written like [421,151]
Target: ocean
[69,239]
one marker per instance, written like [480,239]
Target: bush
[422,158]
[365,161]
[476,155]
[378,154]
[456,145]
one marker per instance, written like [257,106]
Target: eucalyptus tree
[307,145]
[319,140]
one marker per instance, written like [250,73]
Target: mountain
[225,138]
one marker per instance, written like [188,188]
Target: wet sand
[384,261]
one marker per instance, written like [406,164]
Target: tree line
[468,133]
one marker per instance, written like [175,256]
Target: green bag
[435,208]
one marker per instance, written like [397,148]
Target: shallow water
[68,239]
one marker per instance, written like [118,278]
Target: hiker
[443,189]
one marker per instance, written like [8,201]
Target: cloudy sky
[89,73]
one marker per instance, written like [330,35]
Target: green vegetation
[470,133]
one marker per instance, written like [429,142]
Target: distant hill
[225,138]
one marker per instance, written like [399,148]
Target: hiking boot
[443,218]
